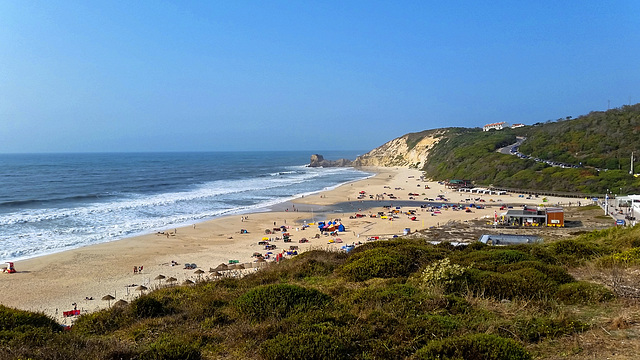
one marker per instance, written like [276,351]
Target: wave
[78,198]
[33,232]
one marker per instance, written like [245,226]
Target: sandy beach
[54,283]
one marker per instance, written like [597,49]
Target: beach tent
[341,228]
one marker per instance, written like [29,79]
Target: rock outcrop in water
[318,160]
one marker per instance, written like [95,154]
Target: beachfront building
[457,184]
[630,207]
[515,126]
[495,126]
[535,216]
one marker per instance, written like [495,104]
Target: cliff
[410,150]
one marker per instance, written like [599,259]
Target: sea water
[55,202]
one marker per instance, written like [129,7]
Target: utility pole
[631,171]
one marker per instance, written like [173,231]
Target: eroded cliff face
[410,150]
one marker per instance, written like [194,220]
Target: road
[507,149]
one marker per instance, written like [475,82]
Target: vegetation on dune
[386,300]
[596,142]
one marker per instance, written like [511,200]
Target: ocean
[55,202]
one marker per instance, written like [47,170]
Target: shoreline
[53,283]
[267,206]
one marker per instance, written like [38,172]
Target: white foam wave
[34,232]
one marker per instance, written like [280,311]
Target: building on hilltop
[515,126]
[495,126]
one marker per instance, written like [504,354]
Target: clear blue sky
[84,76]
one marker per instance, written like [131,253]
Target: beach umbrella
[172,280]
[222,266]
[120,303]
[187,282]
[232,266]
[108,298]
[240,266]
[199,272]
[217,273]
[160,277]
[141,288]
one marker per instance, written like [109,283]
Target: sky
[130,76]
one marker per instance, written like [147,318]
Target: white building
[495,126]
[632,204]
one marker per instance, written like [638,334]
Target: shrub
[441,272]
[391,297]
[167,348]
[537,328]
[102,322]
[581,292]
[491,258]
[555,273]
[434,327]
[280,300]
[12,319]
[376,263]
[309,345]
[473,347]
[524,283]
[148,307]
[574,252]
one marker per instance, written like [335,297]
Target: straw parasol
[120,303]
[160,277]
[172,280]
[199,272]
[240,266]
[187,282]
[108,298]
[222,266]
[141,288]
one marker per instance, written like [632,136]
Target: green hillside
[599,141]
[394,299]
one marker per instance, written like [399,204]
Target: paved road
[507,149]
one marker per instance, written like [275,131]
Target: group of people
[137,269]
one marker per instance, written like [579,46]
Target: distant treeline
[600,142]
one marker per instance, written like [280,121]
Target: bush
[525,283]
[491,258]
[537,328]
[309,345]
[555,273]
[473,347]
[148,307]
[574,252]
[102,322]
[167,348]
[280,300]
[374,263]
[12,319]
[581,292]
